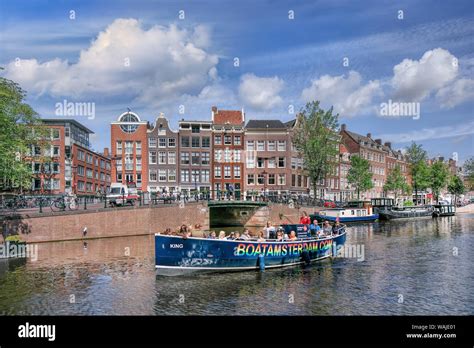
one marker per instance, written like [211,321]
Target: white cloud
[261,93]
[414,80]
[348,95]
[430,133]
[164,63]
[456,93]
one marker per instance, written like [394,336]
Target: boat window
[352,212]
[342,213]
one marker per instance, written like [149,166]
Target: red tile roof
[234,117]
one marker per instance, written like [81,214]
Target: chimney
[378,141]
[106,152]
[343,127]
[369,135]
[213,111]
[388,144]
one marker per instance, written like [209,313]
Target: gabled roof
[361,138]
[234,117]
[265,124]
[290,124]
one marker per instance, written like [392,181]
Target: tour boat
[444,210]
[175,255]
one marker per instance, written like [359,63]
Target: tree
[360,175]
[439,175]
[17,119]
[469,170]
[317,140]
[416,157]
[456,187]
[396,182]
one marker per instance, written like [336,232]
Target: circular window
[129,118]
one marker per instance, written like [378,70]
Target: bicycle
[60,204]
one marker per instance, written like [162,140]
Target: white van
[121,194]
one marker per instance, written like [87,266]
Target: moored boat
[444,210]
[387,211]
[175,255]
[357,211]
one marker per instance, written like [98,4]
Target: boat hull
[342,219]
[175,255]
[393,215]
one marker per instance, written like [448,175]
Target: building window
[119,177]
[206,142]
[272,162]
[80,155]
[162,142]
[171,142]
[184,175]
[205,175]
[205,158]
[138,148]
[118,164]
[55,134]
[80,170]
[195,158]
[227,140]
[281,145]
[162,157]
[217,140]
[128,163]
[271,179]
[195,142]
[185,142]
[195,128]
[271,145]
[217,172]
[260,162]
[184,157]
[151,142]
[171,157]
[237,140]
[138,164]
[250,179]
[195,174]
[237,172]
[227,153]
[152,157]
[250,160]
[250,145]
[281,162]
[56,168]
[129,147]
[67,132]
[162,175]
[260,145]
[172,175]
[55,150]
[80,185]
[227,172]
[281,179]
[260,179]
[237,156]
[218,155]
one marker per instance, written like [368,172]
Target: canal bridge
[234,213]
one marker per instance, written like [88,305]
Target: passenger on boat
[320,234]
[314,228]
[327,229]
[270,231]
[246,235]
[261,237]
[335,228]
[222,235]
[212,235]
[237,236]
[304,219]
[280,236]
[292,235]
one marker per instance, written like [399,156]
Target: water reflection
[428,262]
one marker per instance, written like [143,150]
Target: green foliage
[396,182]
[417,157]
[17,119]
[408,204]
[469,169]
[359,174]
[317,140]
[456,187]
[439,175]
[14,239]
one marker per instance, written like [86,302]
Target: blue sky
[140,54]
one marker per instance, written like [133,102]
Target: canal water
[422,267]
